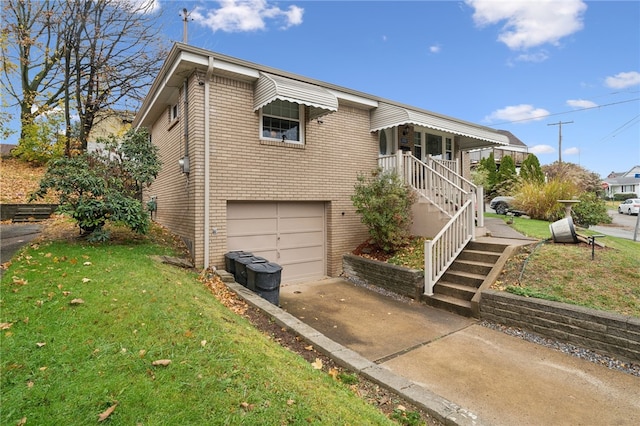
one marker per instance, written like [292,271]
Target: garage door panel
[300,239]
[252,226]
[301,272]
[297,224]
[252,210]
[255,241]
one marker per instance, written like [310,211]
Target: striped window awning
[271,87]
[387,116]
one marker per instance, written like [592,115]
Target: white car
[631,206]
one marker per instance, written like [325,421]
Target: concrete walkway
[456,369]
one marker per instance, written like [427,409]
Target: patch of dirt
[372,251]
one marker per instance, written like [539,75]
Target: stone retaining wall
[398,279]
[613,334]
[8,211]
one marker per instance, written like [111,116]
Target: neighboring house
[262,160]
[622,183]
[5,149]
[108,122]
[517,149]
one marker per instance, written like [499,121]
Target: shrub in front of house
[384,204]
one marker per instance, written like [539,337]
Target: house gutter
[207,164]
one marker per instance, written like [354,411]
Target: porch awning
[271,87]
[386,116]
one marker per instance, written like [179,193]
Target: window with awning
[271,87]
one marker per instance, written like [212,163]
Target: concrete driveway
[14,236]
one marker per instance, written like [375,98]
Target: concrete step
[479,256]
[472,266]
[451,304]
[459,291]
[484,246]
[464,278]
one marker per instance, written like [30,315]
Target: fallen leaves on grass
[76,302]
[5,325]
[161,362]
[106,413]
[317,364]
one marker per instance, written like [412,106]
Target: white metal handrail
[442,250]
[435,187]
[458,204]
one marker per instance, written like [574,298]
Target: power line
[539,117]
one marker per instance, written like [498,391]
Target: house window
[417,145]
[434,146]
[448,149]
[173,112]
[282,120]
[383,142]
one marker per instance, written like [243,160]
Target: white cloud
[571,151]
[581,103]
[246,15]
[434,49]
[522,112]
[623,80]
[540,56]
[530,23]
[541,149]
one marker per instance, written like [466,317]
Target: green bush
[106,185]
[623,196]
[591,210]
[384,202]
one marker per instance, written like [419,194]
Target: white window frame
[174,112]
[301,127]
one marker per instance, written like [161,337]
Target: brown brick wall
[245,168]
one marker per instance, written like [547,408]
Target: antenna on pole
[185,19]
[559,124]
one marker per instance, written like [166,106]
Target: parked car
[504,205]
[631,206]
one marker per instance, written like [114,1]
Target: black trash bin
[240,274]
[265,278]
[230,259]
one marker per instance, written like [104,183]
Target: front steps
[35,213]
[458,286]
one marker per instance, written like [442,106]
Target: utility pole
[185,19]
[559,124]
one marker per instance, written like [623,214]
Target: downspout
[207,164]
[185,90]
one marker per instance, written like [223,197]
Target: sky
[522,66]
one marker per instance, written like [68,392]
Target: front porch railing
[459,205]
[442,250]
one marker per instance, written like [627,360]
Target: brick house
[262,160]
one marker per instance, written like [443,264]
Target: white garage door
[291,234]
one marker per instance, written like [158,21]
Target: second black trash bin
[230,259]
[242,262]
[264,279]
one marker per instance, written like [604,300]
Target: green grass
[65,363]
[566,272]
